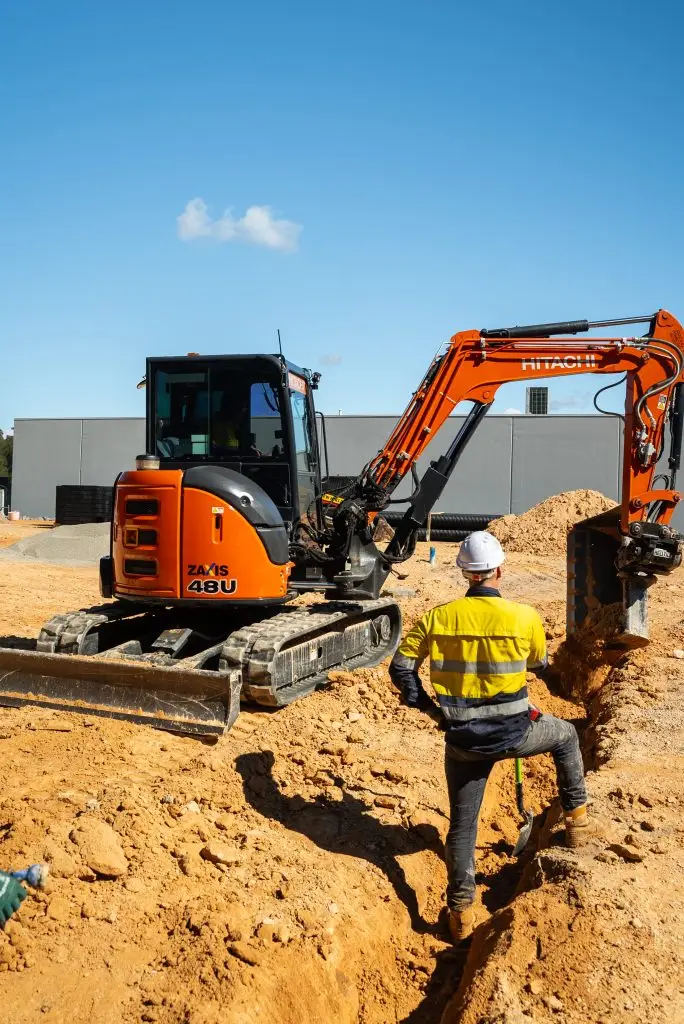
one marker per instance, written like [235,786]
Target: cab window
[302,435]
[216,412]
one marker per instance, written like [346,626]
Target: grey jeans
[467,774]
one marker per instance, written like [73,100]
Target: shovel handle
[519,787]
[518,771]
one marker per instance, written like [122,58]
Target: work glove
[419,700]
[12,894]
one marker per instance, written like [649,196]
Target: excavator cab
[232,464]
[251,414]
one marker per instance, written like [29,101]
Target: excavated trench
[501,878]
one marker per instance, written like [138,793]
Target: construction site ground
[293,871]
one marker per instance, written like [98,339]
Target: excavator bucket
[595,585]
[178,699]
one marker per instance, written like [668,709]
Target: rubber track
[67,634]
[253,649]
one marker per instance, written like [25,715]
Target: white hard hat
[480,552]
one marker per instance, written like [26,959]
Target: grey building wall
[69,451]
[563,453]
[512,463]
[481,482]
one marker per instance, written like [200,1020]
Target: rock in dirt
[100,848]
[553,1003]
[270,931]
[628,853]
[308,920]
[543,530]
[391,802]
[59,908]
[220,853]
[62,864]
[355,736]
[334,749]
[243,951]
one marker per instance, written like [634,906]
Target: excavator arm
[474,366]
[477,363]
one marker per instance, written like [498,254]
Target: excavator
[227,518]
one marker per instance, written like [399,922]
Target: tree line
[6,445]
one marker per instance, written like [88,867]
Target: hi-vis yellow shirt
[480,648]
[224,434]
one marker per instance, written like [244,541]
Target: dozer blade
[178,699]
[596,587]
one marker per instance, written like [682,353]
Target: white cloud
[258,226]
[512,412]
[331,359]
[194,221]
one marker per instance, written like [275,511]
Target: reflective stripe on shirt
[464,709]
[478,668]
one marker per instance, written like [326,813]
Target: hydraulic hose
[607,387]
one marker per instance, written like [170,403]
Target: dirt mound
[63,545]
[543,530]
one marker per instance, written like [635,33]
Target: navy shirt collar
[482,590]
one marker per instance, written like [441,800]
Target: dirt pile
[62,545]
[543,530]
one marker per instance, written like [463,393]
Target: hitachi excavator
[226,519]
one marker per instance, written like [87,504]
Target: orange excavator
[227,518]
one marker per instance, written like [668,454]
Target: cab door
[303,450]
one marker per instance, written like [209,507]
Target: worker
[12,894]
[480,647]
[226,424]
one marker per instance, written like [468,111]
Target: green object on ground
[12,894]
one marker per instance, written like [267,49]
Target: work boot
[579,828]
[461,924]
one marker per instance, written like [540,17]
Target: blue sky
[438,166]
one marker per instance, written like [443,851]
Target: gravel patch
[63,545]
